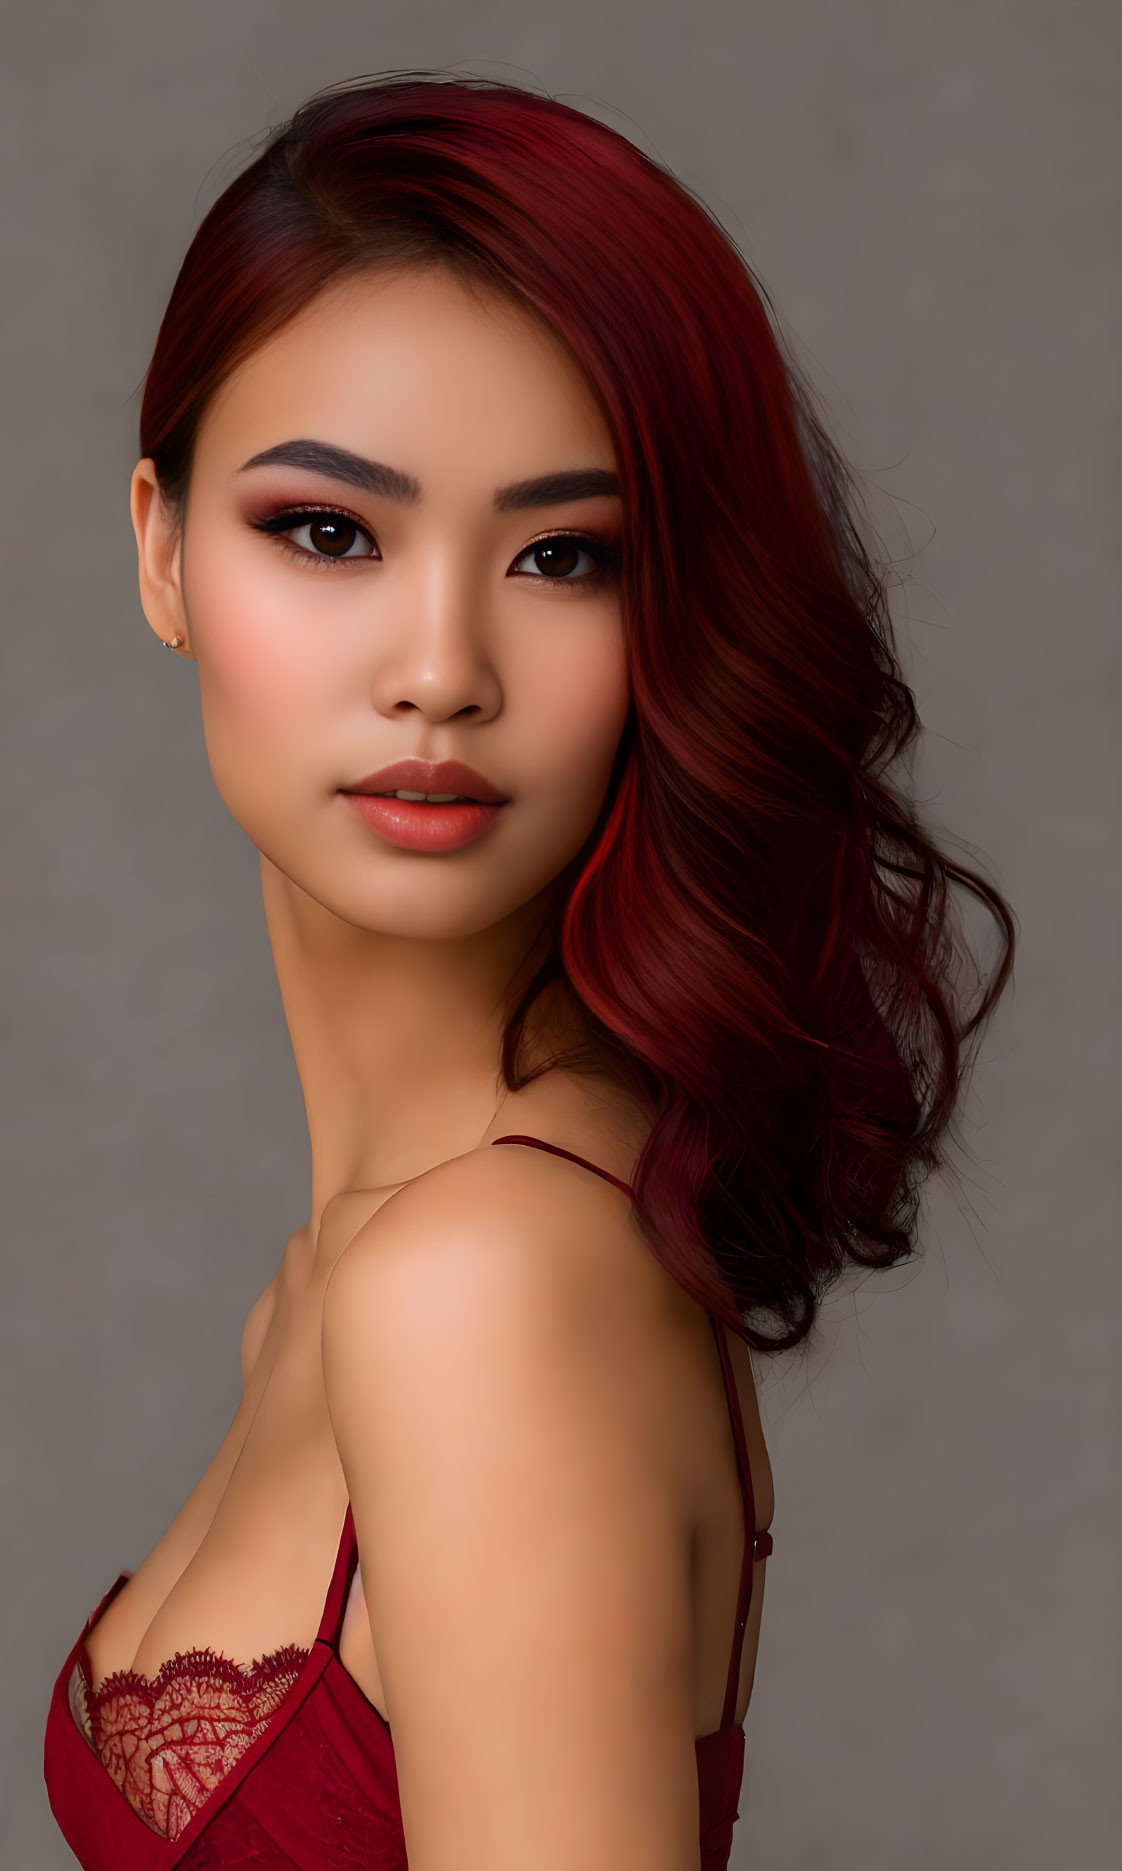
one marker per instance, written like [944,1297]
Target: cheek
[258,665]
[261,673]
[573,725]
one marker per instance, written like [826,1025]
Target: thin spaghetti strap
[539,1144]
[753,1544]
[346,1558]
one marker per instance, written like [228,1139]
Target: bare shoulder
[514,1517]
[260,1315]
[254,1332]
[496,1202]
[521,1258]
[513,1246]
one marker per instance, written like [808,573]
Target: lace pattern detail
[169,1741]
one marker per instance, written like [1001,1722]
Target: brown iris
[556,555]
[333,535]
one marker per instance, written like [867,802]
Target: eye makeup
[276,522]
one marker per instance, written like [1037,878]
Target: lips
[429,776]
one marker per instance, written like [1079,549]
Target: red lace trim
[169,1740]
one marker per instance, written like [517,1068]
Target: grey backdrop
[926,192]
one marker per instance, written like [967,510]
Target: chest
[243,1568]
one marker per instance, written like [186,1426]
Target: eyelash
[275,525]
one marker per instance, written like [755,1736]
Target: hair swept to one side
[759,934]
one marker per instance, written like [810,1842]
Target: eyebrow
[374,477]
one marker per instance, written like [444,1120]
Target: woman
[541,661]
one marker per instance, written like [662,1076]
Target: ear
[159,558]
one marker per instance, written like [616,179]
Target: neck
[396,1039]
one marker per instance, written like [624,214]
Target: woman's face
[418,611]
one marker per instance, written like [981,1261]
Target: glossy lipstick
[414,824]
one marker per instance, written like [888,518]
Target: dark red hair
[759,933]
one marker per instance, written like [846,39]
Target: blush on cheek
[260,670]
[590,708]
[258,657]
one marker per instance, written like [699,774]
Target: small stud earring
[172,643]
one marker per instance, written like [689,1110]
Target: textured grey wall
[925,191]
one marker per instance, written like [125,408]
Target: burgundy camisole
[284,1763]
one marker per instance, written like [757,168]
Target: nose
[433,652]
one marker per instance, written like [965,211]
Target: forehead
[418,370]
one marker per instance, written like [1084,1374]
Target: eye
[556,557]
[331,534]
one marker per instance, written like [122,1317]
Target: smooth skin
[473,1346]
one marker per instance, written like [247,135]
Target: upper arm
[523,1560]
